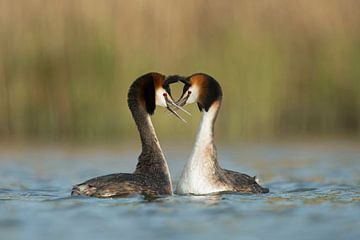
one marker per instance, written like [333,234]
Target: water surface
[315,194]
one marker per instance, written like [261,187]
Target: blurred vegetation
[287,68]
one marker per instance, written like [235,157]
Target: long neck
[146,130]
[204,152]
[151,160]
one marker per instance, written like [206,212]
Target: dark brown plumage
[151,177]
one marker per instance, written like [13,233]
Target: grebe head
[202,89]
[152,89]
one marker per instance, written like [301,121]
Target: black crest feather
[143,89]
[149,94]
[170,80]
[213,93]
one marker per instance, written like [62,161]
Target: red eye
[189,92]
[164,94]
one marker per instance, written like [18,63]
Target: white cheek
[194,94]
[159,97]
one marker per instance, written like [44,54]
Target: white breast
[198,174]
[196,181]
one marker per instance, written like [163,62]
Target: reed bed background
[287,68]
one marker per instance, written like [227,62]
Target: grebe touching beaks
[152,176]
[202,173]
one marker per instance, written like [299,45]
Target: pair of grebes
[202,173]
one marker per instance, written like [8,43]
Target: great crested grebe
[202,173]
[152,176]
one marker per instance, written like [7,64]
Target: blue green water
[315,194]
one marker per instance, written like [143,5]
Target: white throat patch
[159,97]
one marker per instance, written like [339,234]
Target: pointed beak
[182,101]
[172,107]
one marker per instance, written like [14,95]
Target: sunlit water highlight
[315,194]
